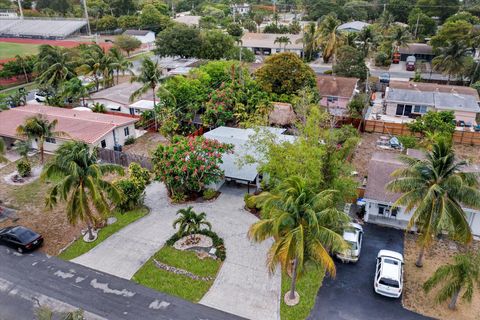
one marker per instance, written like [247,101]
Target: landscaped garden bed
[79,246]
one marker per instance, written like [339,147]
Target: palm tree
[258,18]
[328,37]
[77,179]
[23,63]
[368,38]
[74,89]
[55,65]
[435,189]
[120,63]
[463,274]
[96,63]
[190,222]
[385,21]
[99,107]
[452,59]
[399,37]
[283,40]
[39,128]
[305,226]
[150,76]
[309,40]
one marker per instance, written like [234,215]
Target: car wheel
[20,250]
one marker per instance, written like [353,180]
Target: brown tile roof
[336,86]
[433,87]
[79,125]
[416,48]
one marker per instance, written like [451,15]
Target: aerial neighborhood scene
[223,159]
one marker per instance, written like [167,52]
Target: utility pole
[416,26]
[86,17]
[384,7]
[20,8]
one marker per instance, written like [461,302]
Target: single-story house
[191,21]
[353,26]
[239,138]
[240,8]
[264,43]
[96,129]
[336,93]
[421,51]
[145,36]
[378,201]
[117,98]
[413,99]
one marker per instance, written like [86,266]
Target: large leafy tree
[453,31]
[462,274]
[78,180]
[178,40]
[55,65]
[328,37]
[285,73]
[127,43]
[214,45]
[350,63]
[190,222]
[39,128]
[435,189]
[304,224]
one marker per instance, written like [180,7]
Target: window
[51,140]
[126,131]
[403,110]
[103,144]
[383,209]
[420,109]
[332,99]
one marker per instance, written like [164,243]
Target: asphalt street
[30,280]
[351,296]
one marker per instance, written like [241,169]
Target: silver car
[353,235]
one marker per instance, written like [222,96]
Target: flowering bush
[190,164]
[219,108]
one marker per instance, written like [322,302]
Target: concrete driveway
[243,285]
[350,296]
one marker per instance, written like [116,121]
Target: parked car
[353,235]
[411,61]
[20,238]
[41,96]
[389,274]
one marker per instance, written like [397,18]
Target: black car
[20,238]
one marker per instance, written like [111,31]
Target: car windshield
[391,261]
[25,235]
[389,282]
[353,245]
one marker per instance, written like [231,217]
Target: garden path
[243,285]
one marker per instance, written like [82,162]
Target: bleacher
[40,28]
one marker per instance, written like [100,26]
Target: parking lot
[350,296]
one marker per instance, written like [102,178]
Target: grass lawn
[80,247]
[178,285]
[307,288]
[27,86]
[11,49]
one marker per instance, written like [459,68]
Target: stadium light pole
[86,17]
[20,8]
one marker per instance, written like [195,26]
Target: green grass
[11,49]
[140,56]
[80,247]
[28,87]
[307,288]
[193,290]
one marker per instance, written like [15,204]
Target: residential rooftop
[137,32]
[267,40]
[188,20]
[355,25]
[336,86]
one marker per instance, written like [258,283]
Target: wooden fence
[460,137]
[123,159]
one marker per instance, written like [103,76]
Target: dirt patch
[415,299]
[467,152]
[146,144]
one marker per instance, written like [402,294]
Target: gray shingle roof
[456,102]
[410,96]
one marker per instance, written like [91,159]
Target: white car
[41,96]
[389,274]
[353,235]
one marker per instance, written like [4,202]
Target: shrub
[129,140]
[133,188]
[382,59]
[408,142]
[217,241]
[178,197]
[24,168]
[328,72]
[209,194]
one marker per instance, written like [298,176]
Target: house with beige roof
[264,43]
[336,93]
[379,201]
[96,129]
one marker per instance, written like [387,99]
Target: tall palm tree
[463,274]
[39,128]
[452,59]
[120,63]
[328,37]
[23,63]
[283,40]
[309,40]
[305,226]
[78,180]
[435,189]
[399,37]
[368,37]
[190,222]
[55,65]
[95,62]
[150,76]
[75,90]
[385,21]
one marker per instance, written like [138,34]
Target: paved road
[243,285]
[65,286]
[350,296]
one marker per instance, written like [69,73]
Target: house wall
[465,116]
[391,108]
[273,50]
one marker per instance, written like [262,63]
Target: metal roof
[239,139]
[143,104]
[354,25]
